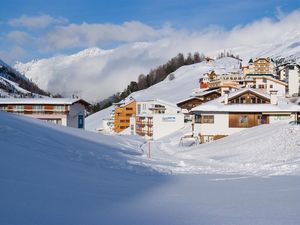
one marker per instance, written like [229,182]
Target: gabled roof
[272,79]
[217,105]
[42,101]
[197,95]
[247,89]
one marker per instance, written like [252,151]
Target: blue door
[80,121]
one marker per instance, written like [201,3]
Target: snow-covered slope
[263,150]
[182,86]
[57,175]
[14,84]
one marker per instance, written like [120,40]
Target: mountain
[184,81]
[96,74]
[14,84]
[93,74]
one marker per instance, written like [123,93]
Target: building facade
[122,114]
[156,119]
[240,110]
[62,111]
[261,66]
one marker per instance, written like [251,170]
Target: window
[129,108]
[3,108]
[242,100]
[139,109]
[18,108]
[243,119]
[271,85]
[207,119]
[197,119]
[37,108]
[253,100]
[59,108]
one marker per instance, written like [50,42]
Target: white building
[290,73]
[269,84]
[240,110]
[156,119]
[64,111]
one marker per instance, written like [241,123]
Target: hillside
[186,80]
[14,84]
[263,150]
[51,175]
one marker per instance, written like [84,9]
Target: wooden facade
[249,97]
[122,116]
[246,120]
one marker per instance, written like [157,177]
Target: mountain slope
[12,83]
[186,80]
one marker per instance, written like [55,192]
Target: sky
[40,29]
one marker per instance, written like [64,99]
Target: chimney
[226,96]
[274,97]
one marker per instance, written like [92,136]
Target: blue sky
[19,40]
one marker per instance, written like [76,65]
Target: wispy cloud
[20,37]
[36,22]
[87,35]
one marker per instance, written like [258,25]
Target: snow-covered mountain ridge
[95,74]
[14,84]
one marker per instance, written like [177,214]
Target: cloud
[87,35]
[36,22]
[13,53]
[96,74]
[19,37]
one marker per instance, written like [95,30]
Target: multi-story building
[63,111]
[290,73]
[240,110]
[122,113]
[156,119]
[261,66]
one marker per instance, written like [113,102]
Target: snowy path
[265,150]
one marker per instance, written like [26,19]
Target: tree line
[153,77]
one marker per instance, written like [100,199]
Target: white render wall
[276,86]
[72,118]
[165,124]
[293,81]
[219,127]
[41,116]
[146,105]
[221,124]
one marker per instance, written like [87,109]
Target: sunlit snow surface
[55,175]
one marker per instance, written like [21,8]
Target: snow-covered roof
[272,79]
[159,101]
[243,90]
[38,101]
[218,105]
[197,95]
